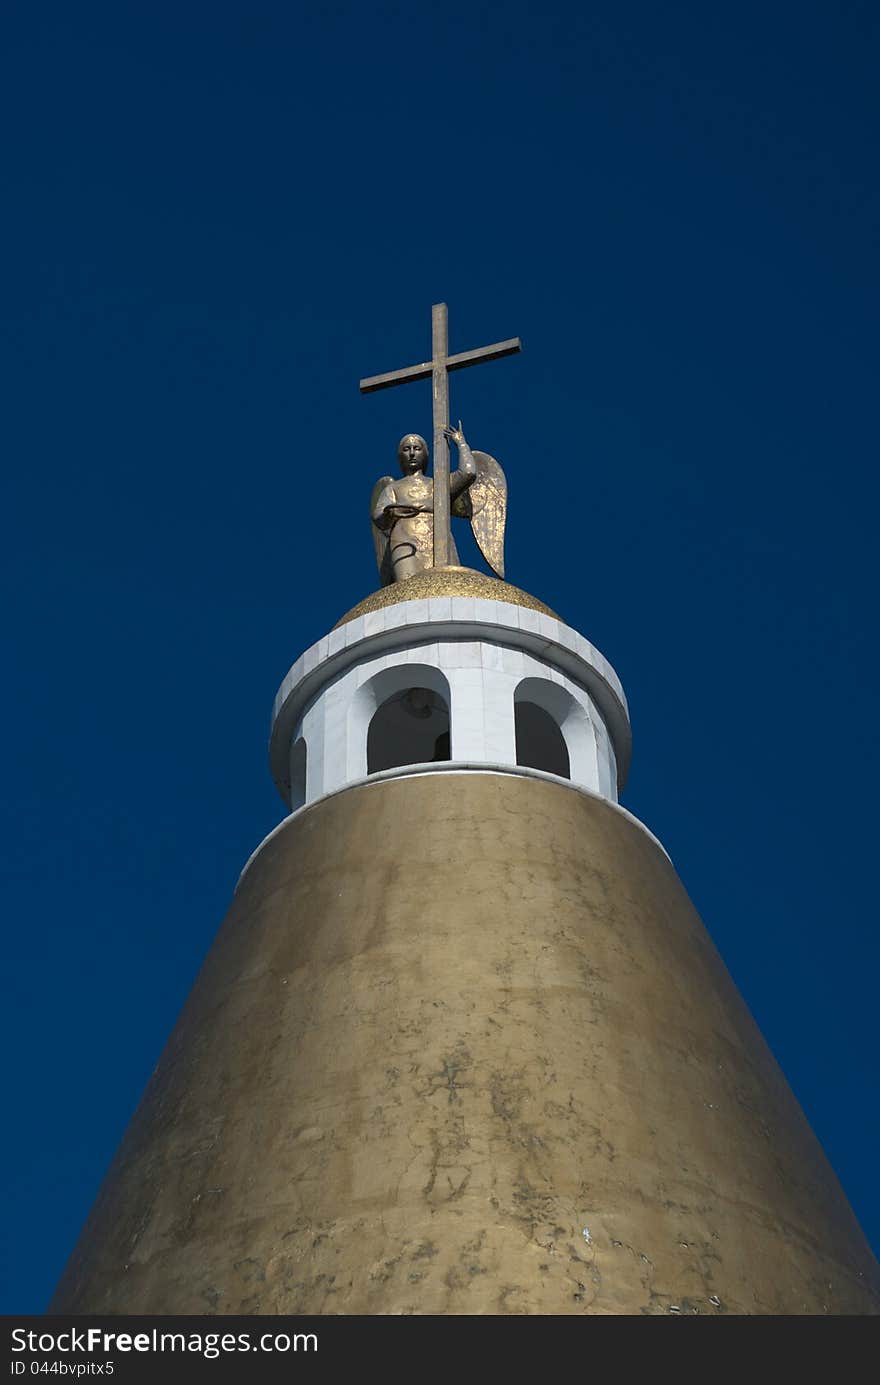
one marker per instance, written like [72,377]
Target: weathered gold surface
[484,503]
[446,581]
[528,1088]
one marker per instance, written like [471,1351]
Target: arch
[410,727]
[298,756]
[540,743]
[554,732]
[400,716]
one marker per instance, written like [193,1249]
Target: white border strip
[449,767]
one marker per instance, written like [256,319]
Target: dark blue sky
[217,218]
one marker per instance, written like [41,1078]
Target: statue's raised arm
[466,473]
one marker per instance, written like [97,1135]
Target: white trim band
[448,767]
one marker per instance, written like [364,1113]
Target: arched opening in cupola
[540,743]
[297,775]
[410,727]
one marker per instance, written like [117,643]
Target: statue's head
[412,453]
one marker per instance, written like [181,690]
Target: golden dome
[446,581]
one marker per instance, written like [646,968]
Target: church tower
[462,1044]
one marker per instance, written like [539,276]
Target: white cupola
[449,682]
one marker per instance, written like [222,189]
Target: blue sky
[217,219]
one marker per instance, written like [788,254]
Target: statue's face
[412,453]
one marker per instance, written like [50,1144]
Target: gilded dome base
[446,581]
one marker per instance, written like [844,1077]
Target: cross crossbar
[457,362]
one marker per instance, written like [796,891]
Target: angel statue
[403,511]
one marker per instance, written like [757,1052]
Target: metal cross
[438,369]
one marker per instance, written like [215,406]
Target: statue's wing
[484,503]
[380,538]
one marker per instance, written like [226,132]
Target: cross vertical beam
[440,392]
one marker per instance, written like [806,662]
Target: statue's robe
[410,536]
